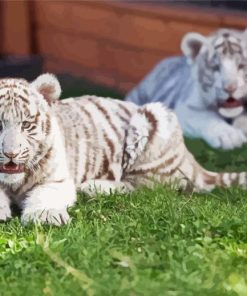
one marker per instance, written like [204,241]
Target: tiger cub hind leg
[153,146]
[94,187]
[155,151]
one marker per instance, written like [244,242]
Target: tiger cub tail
[201,179]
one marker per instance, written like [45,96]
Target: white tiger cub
[51,148]
[206,88]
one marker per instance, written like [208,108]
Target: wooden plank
[16,27]
[1,28]
[88,53]
[116,44]
[77,18]
[82,51]
[54,65]
[158,34]
[171,11]
[108,25]
[128,63]
[125,85]
[238,21]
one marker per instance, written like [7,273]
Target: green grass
[73,87]
[150,242]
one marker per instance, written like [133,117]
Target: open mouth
[231,108]
[11,168]
[231,103]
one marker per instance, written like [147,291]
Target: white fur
[227,180]
[241,123]
[5,211]
[8,179]
[232,112]
[137,136]
[209,125]
[49,198]
[242,179]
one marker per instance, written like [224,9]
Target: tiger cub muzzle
[231,107]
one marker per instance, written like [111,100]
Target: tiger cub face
[219,65]
[25,125]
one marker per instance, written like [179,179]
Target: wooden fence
[109,42]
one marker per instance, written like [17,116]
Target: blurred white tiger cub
[51,148]
[206,88]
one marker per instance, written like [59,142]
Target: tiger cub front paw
[225,136]
[50,216]
[5,213]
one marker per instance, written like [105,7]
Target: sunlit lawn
[150,242]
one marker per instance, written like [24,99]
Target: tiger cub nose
[231,87]
[10,154]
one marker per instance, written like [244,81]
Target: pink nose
[10,154]
[231,87]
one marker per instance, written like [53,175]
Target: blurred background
[103,47]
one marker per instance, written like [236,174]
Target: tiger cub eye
[240,66]
[216,68]
[26,124]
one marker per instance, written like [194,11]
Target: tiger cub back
[119,142]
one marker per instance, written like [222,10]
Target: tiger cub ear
[191,45]
[47,85]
